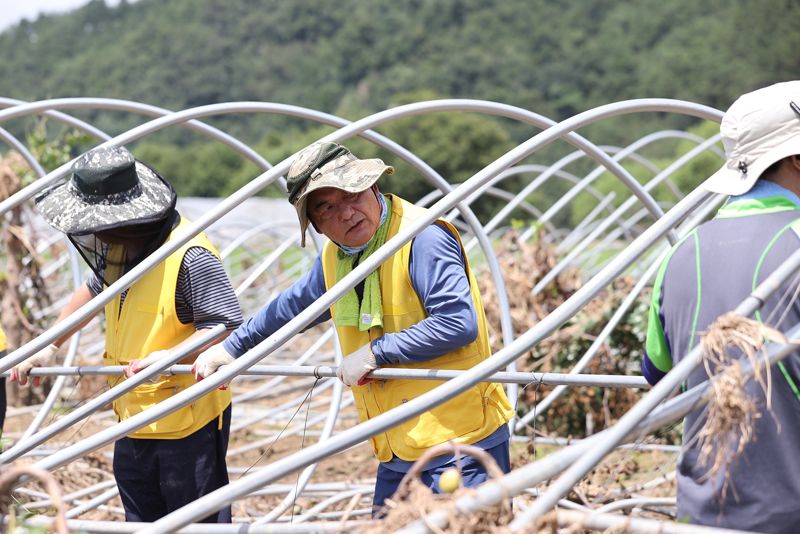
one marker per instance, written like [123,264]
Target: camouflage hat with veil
[111,199]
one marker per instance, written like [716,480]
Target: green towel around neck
[346,309]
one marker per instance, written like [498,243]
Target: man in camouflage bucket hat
[329,165]
[420,309]
[116,211]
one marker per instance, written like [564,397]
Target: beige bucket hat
[758,129]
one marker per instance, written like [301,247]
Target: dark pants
[2,402]
[472,474]
[158,476]
[2,399]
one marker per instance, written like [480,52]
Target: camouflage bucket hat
[108,189]
[329,165]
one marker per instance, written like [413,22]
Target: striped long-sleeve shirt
[203,293]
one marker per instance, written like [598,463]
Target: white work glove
[134,366]
[40,359]
[356,366]
[210,360]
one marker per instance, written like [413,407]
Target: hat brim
[368,172]
[730,180]
[66,211]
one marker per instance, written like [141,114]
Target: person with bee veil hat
[117,210]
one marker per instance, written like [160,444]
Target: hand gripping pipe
[227,494]
[25,445]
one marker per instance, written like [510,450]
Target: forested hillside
[354,57]
[554,57]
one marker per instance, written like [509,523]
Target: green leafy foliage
[354,58]
[621,354]
[52,147]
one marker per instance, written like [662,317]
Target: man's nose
[346,211]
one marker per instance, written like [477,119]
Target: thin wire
[271,445]
[789,302]
[303,441]
[532,426]
[54,416]
[86,419]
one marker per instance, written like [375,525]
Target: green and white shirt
[704,276]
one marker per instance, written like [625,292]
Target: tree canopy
[354,57]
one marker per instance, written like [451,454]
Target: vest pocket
[365,404]
[146,396]
[461,415]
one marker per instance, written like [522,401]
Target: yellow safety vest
[467,418]
[148,322]
[3,342]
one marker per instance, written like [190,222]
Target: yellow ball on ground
[450,480]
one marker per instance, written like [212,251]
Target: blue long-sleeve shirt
[438,275]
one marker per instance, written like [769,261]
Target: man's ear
[794,161]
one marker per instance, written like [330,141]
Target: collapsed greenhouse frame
[455,201]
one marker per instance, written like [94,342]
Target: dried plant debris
[580,410]
[524,264]
[730,420]
[415,501]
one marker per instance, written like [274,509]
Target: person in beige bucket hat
[758,130]
[707,275]
[420,309]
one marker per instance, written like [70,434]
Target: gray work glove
[356,366]
[40,359]
[210,360]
